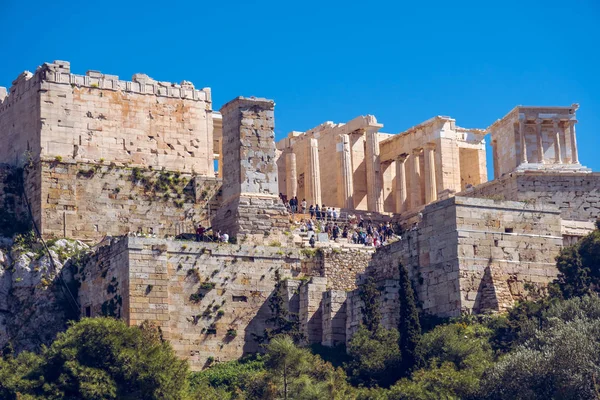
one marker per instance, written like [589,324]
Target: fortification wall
[196,292]
[577,195]
[142,122]
[20,122]
[88,201]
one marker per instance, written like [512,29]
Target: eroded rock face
[34,301]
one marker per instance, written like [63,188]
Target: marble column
[540,144]
[401,194]
[347,183]
[314,173]
[557,150]
[374,178]
[574,155]
[415,198]
[523,142]
[291,178]
[430,181]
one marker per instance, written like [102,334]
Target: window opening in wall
[508,230]
[496,242]
[216,166]
[240,298]
[88,311]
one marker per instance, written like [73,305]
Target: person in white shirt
[225,238]
[303,206]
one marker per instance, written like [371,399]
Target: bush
[101,358]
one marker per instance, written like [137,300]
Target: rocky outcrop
[37,293]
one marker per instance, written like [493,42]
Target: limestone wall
[142,122]
[197,292]
[88,201]
[54,113]
[577,195]
[105,282]
[506,252]
[467,254]
[20,122]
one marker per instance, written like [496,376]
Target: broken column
[291,180]
[314,173]
[251,204]
[401,194]
[347,183]
[374,178]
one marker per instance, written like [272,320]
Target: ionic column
[314,173]
[523,142]
[557,155]
[574,156]
[347,189]
[540,145]
[415,191]
[291,179]
[401,194]
[430,184]
[374,179]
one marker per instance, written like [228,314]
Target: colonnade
[559,134]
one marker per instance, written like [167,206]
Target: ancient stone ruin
[134,167]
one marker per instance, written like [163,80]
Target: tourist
[200,233]
[335,232]
[330,214]
[303,206]
[345,232]
[225,238]
[336,215]
[312,241]
[309,225]
[311,210]
[318,212]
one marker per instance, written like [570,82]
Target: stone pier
[251,205]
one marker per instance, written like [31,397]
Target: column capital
[573,121]
[417,151]
[430,146]
[401,157]
[538,121]
[555,122]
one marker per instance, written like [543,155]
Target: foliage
[374,356]
[98,358]
[409,327]
[282,321]
[560,361]
[371,310]
[579,266]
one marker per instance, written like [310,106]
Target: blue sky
[404,62]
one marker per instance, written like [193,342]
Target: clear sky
[321,61]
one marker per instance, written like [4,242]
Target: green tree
[409,326]
[103,358]
[560,361]
[375,356]
[579,266]
[295,373]
[371,309]
[282,321]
